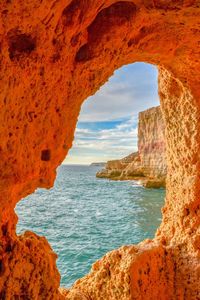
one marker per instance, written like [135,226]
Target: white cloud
[132,89]
[103,144]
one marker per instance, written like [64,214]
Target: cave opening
[84,217]
[54,56]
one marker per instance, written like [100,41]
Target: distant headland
[98,164]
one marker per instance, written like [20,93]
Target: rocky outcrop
[124,273]
[129,167]
[148,164]
[53,55]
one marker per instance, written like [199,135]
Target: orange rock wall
[53,55]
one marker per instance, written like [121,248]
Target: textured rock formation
[151,144]
[148,164]
[53,55]
[131,272]
[114,168]
[28,269]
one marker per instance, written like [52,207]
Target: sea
[84,217]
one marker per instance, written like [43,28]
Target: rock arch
[53,55]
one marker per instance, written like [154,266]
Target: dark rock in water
[154,183]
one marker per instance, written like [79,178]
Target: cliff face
[148,164]
[53,55]
[151,143]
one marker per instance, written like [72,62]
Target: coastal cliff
[148,164]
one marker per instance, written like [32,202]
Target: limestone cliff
[53,55]
[148,164]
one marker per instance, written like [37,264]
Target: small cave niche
[108,18]
[74,12]
[83,54]
[2,269]
[69,12]
[113,16]
[4,229]
[20,44]
[46,155]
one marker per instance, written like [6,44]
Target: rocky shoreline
[148,165]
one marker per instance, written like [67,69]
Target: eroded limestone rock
[131,272]
[53,55]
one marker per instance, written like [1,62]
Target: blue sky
[107,127]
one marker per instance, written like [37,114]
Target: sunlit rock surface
[148,165]
[53,55]
[130,272]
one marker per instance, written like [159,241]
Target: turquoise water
[84,217]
